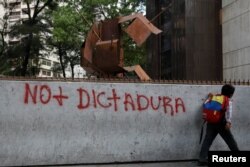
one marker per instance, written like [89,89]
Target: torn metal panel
[140,29]
[88,67]
[149,25]
[106,55]
[110,29]
[91,40]
[121,61]
[138,32]
[103,52]
[84,62]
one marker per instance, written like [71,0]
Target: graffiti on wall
[113,99]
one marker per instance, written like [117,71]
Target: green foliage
[67,29]
[108,9]
[31,31]
[63,27]
[67,36]
[72,21]
[133,54]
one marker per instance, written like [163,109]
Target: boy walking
[222,128]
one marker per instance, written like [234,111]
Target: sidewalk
[170,164]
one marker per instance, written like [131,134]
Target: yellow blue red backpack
[214,108]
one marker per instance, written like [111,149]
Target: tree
[5,63]
[108,9]
[67,36]
[68,32]
[73,58]
[31,31]
[3,28]
[73,19]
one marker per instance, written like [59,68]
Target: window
[46,62]
[46,73]
[57,75]
[15,5]
[14,15]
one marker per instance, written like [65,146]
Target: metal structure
[190,47]
[102,52]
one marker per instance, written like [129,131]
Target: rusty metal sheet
[138,32]
[106,55]
[102,52]
[110,29]
[140,29]
[144,20]
[121,62]
[149,25]
[84,62]
[87,66]
[91,40]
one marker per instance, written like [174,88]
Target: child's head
[227,90]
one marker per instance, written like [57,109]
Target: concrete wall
[236,39]
[45,123]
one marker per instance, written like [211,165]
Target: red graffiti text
[42,93]
[128,102]
[110,99]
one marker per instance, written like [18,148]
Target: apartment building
[15,16]
[16,12]
[46,64]
[16,9]
[1,14]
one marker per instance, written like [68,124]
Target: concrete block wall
[45,123]
[236,39]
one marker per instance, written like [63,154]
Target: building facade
[46,64]
[16,12]
[236,39]
[190,47]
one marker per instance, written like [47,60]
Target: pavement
[161,164]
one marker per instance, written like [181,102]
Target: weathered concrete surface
[167,164]
[77,122]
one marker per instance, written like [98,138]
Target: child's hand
[228,125]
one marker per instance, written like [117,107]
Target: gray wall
[236,39]
[39,129]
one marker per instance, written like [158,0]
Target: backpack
[214,108]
